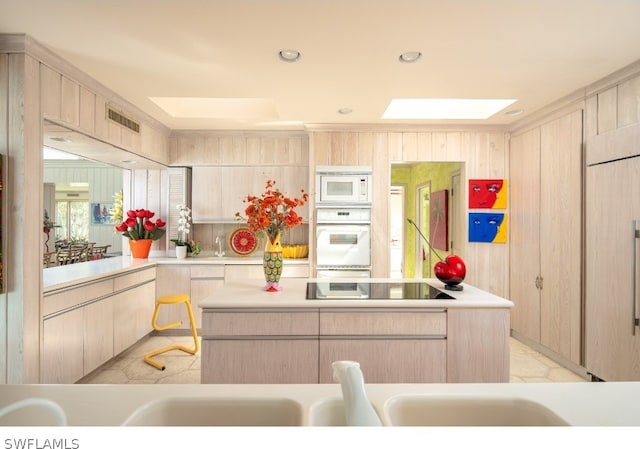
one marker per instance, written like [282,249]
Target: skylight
[444,108]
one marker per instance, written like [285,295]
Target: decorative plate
[243,241]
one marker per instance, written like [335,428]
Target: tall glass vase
[272,264]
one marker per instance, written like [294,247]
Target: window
[73,219]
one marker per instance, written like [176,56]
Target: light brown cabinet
[86,325]
[546,234]
[62,348]
[67,102]
[133,310]
[392,346]
[298,345]
[206,207]
[198,281]
[260,346]
[98,343]
[227,186]
[612,334]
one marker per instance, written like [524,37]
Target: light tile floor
[527,365]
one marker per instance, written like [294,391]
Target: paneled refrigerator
[612,281]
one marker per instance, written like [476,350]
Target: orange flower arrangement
[272,212]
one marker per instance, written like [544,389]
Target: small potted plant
[141,231]
[182,243]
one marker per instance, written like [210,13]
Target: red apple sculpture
[451,271]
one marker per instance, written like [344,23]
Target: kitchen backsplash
[206,234]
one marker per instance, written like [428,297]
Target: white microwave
[343,185]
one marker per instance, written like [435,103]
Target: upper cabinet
[219,192]
[68,102]
[228,168]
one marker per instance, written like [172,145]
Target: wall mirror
[82,184]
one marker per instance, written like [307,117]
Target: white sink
[217,412]
[467,410]
[329,412]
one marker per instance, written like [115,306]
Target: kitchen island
[253,336]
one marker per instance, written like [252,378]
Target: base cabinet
[62,359]
[387,360]
[198,281]
[86,325]
[277,361]
[478,345]
[132,316]
[98,335]
[393,345]
[261,346]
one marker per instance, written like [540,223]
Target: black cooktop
[335,289]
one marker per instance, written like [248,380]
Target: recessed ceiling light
[129,162]
[409,56]
[345,111]
[444,108]
[514,112]
[289,55]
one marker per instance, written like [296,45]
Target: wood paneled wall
[484,154]
[21,144]
[21,139]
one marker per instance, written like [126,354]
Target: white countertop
[249,293]
[67,275]
[579,404]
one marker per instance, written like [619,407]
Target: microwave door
[338,189]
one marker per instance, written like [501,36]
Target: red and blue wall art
[487,227]
[487,194]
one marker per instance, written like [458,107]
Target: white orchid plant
[184,226]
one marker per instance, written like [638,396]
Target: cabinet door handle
[539,282]
[636,236]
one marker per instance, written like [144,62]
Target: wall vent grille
[122,120]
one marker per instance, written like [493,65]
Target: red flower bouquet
[139,225]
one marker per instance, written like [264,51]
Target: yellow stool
[172,299]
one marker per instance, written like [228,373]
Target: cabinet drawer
[74,296]
[248,323]
[383,322]
[129,280]
[388,360]
[207,271]
[260,361]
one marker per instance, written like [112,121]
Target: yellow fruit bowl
[295,251]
